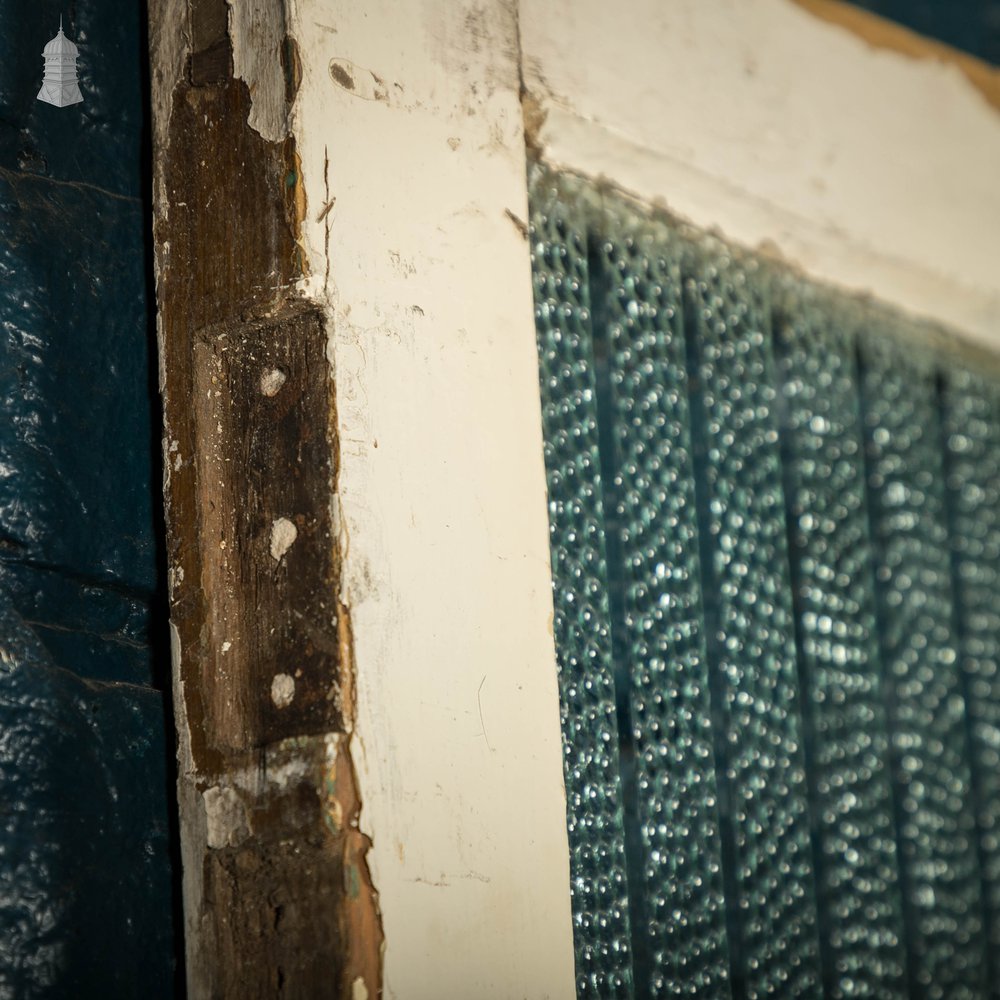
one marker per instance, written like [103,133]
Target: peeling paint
[257,31]
[843,179]
[299,204]
[365,939]
[277,893]
[424,377]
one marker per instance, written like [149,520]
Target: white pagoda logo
[59,86]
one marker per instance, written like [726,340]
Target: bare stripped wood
[278,899]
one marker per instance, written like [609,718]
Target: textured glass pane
[972,421]
[845,718]
[582,632]
[776,569]
[638,330]
[940,872]
[749,625]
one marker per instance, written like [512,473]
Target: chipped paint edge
[215,808]
[716,179]
[257,32]
[881,33]
[425,949]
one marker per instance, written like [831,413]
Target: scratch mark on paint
[326,210]
[519,223]
[482,719]
[326,222]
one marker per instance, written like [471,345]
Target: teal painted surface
[86,898]
[791,509]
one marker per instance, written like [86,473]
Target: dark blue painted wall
[972,25]
[86,901]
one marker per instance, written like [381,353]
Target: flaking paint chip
[283,535]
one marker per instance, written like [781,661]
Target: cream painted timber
[408,125]
[867,168]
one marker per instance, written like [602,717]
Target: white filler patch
[282,690]
[283,535]
[272,381]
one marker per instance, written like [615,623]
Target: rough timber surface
[278,901]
